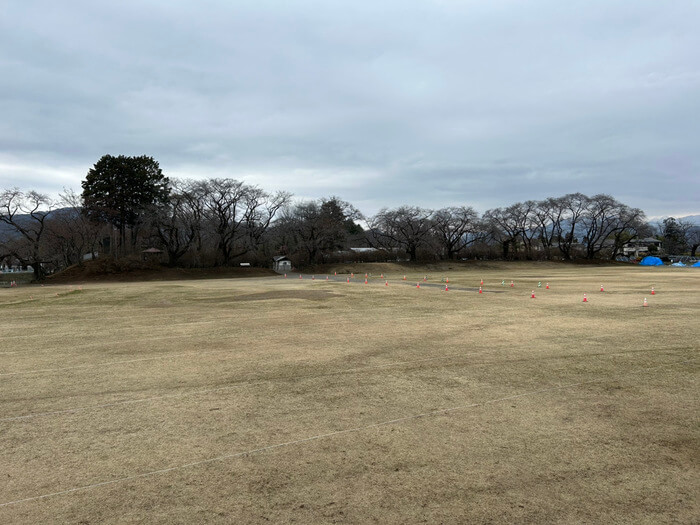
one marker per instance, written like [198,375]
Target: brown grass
[380,404]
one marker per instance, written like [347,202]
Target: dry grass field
[273,400]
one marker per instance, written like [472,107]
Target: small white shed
[281,264]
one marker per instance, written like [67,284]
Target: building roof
[278,258]
[648,240]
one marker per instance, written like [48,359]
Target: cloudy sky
[429,103]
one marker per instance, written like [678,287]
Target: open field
[311,401]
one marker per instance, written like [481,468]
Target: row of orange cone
[447,280]
[447,289]
[585,299]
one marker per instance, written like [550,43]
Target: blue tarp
[651,261]
[678,264]
[696,265]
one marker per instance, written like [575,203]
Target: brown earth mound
[119,271]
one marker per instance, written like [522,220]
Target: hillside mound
[112,270]
[437,266]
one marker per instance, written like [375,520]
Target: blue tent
[696,265]
[651,261]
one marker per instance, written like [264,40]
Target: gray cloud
[427,103]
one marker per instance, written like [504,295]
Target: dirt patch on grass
[270,295]
[305,295]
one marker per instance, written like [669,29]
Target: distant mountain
[695,219]
[8,232]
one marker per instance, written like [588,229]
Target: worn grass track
[292,400]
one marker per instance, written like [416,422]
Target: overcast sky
[428,103]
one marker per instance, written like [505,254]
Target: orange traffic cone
[313,277]
[417,285]
[601,288]
[585,300]
[326,277]
[381,276]
[652,291]
[482,282]
[512,284]
[348,279]
[366,276]
[447,289]
[335,273]
[352,275]
[386,283]
[547,287]
[365,280]
[425,278]
[285,275]
[645,302]
[480,291]
[300,277]
[447,279]
[533,294]
[404,277]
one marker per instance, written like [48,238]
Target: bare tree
[599,221]
[456,228]
[313,230]
[631,224]
[178,224]
[224,210]
[261,210]
[525,214]
[688,235]
[27,214]
[505,226]
[546,217]
[573,208]
[692,236]
[239,215]
[406,228]
[72,234]
[303,231]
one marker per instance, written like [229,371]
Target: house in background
[281,264]
[648,245]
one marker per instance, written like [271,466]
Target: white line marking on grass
[223,388]
[275,446]
[99,365]
[258,450]
[105,343]
[112,363]
[279,378]
[120,329]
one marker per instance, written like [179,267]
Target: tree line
[127,204]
